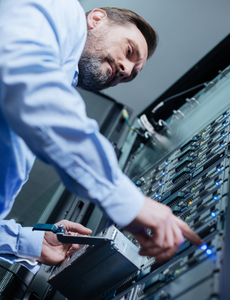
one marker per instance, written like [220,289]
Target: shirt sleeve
[18,244]
[43,108]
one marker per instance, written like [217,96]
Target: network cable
[158,126]
[125,115]
[177,95]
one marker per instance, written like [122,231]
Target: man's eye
[129,51]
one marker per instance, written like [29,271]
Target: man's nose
[126,68]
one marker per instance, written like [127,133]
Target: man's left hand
[53,251]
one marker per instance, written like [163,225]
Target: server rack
[192,178]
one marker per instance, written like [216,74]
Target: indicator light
[217,183]
[223,135]
[187,218]
[202,143]
[213,214]
[166,163]
[160,184]
[215,198]
[203,133]
[225,116]
[190,202]
[200,153]
[225,124]
[203,247]
[157,195]
[163,173]
[209,251]
[222,146]
[177,271]
[219,169]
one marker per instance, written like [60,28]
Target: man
[41,44]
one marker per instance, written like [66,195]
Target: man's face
[112,54]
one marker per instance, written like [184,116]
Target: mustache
[117,68]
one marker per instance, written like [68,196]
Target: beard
[91,75]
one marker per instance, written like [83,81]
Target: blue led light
[160,184]
[225,116]
[157,195]
[213,214]
[163,173]
[209,251]
[166,163]
[217,183]
[219,169]
[225,124]
[222,146]
[215,198]
[203,247]
[223,135]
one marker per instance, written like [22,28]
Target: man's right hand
[168,231]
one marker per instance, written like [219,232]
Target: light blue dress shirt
[42,115]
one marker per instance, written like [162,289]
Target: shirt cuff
[124,203]
[30,243]
[9,258]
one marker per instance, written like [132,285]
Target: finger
[160,237]
[142,236]
[178,236]
[169,236]
[75,227]
[73,249]
[154,251]
[148,245]
[77,234]
[157,245]
[173,240]
[170,252]
[166,255]
[188,233]
[156,240]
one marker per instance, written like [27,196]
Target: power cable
[177,95]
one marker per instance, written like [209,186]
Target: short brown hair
[123,16]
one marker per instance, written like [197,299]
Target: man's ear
[95,17]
